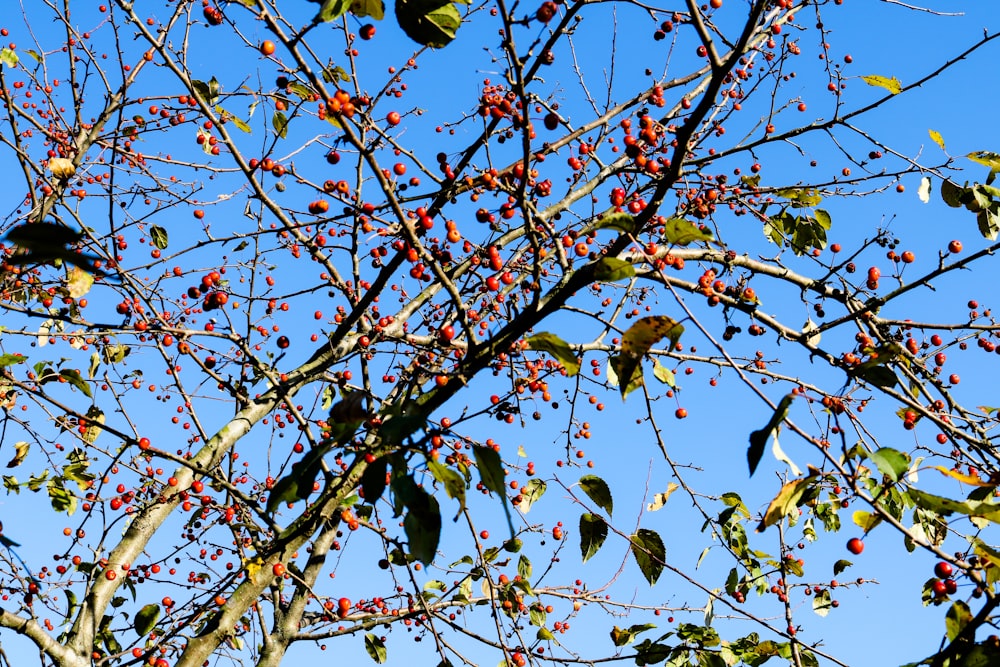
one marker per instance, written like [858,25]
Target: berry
[855,545]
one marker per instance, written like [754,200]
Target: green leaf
[891,84]
[840,566]
[423,527]
[678,231]
[145,619]
[611,269]
[880,376]
[622,637]
[331,10]
[74,378]
[530,493]
[8,57]
[373,480]
[623,222]
[373,8]
[891,463]
[61,499]
[428,22]
[989,222]
[593,532]
[558,348]
[823,602]
[159,237]
[208,91]
[545,635]
[986,158]
[524,567]
[279,122]
[598,491]
[758,439]
[375,647]
[937,138]
[958,616]
[11,359]
[454,483]
[664,374]
[490,469]
[614,373]
[636,342]
[952,194]
[786,501]
[649,553]
[946,506]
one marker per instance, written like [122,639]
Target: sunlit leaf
[598,491]
[890,462]
[332,10]
[373,8]
[8,57]
[924,191]
[660,499]
[664,374]
[986,158]
[623,222]
[785,502]
[375,647]
[865,520]
[78,282]
[649,553]
[972,480]
[822,602]
[73,377]
[637,341]
[158,235]
[530,493]
[94,419]
[891,84]
[958,616]
[610,269]
[945,506]
[20,452]
[678,231]
[937,138]
[279,122]
[11,359]
[558,348]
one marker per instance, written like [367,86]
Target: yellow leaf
[78,282]
[20,452]
[937,138]
[92,429]
[986,158]
[61,167]
[865,520]
[786,501]
[891,84]
[971,480]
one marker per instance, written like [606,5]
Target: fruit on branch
[855,545]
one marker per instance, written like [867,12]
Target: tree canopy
[459,332]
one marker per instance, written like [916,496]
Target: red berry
[855,545]
[943,570]
[955,247]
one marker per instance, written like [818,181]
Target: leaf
[951,194]
[891,84]
[530,493]
[375,647]
[78,282]
[8,57]
[11,359]
[958,616]
[428,22]
[664,374]
[660,499]
[611,269]
[986,158]
[279,122]
[924,191]
[20,452]
[649,553]
[593,532]
[373,480]
[454,483]
[636,381]
[989,222]
[331,10]
[758,439]
[678,231]
[598,491]
[159,237]
[880,376]
[787,500]
[145,619]
[93,421]
[558,348]
[73,377]
[61,499]
[937,138]
[208,91]
[623,222]
[621,637]
[972,480]
[891,463]
[840,566]
[423,527]
[822,602]
[636,342]
[946,506]
[865,520]
[373,8]
[490,469]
